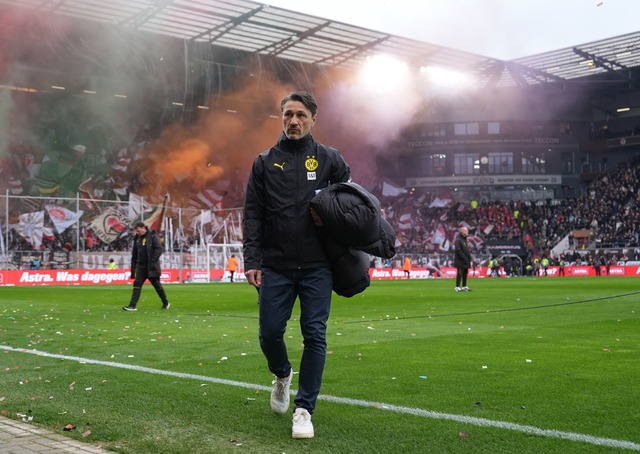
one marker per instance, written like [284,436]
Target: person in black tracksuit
[461,260]
[284,256]
[145,264]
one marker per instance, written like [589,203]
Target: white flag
[440,235]
[137,206]
[62,217]
[391,190]
[31,227]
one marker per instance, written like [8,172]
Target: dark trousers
[141,276]
[461,277]
[278,292]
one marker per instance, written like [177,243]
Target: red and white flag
[88,197]
[109,225]
[208,198]
[121,165]
[156,220]
[61,217]
[405,221]
[476,242]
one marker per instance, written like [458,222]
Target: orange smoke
[221,146]
[189,160]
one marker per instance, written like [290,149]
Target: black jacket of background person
[146,253]
[278,229]
[461,256]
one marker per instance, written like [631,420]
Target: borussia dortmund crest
[311,164]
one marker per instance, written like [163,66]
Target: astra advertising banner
[95,277]
[106,277]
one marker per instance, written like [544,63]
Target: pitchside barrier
[220,275]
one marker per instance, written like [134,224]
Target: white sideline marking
[531,430]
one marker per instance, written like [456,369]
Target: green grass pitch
[523,365]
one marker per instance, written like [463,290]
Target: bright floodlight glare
[444,76]
[384,73]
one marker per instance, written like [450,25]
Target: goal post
[217,258]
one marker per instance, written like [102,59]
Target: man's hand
[254,277]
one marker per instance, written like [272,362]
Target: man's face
[140,230]
[297,120]
[464,231]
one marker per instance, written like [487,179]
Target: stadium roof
[257,28]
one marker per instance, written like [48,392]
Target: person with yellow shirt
[545,265]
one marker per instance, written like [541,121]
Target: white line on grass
[531,430]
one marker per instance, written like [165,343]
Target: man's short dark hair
[303,97]
[139,224]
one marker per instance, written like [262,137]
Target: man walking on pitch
[145,264]
[284,257]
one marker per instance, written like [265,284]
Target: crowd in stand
[52,152]
[608,211]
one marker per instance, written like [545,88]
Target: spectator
[35,263]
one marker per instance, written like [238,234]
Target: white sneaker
[302,426]
[280,394]
[466,289]
[458,289]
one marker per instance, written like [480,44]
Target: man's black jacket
[146,252]
[461,255]
[278,229]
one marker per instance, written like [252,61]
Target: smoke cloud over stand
[179,117]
